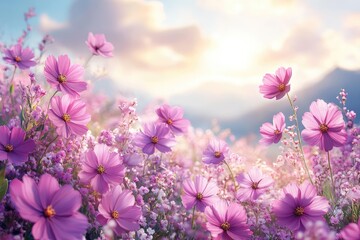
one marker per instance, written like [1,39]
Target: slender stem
[331,173]
[88,60]
[299,138]
[193,218]
[13,75]
[11,88]
[231,174]
[50,100]
[44,152]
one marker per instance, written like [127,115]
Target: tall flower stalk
[299,138]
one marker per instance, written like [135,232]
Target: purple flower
[318,230]
[155,135]
[63,76]
[215,152]
[13,146]
[227,221]
[199,193]
[132,159]
[173,117]
[119,205]
[324,126]
[102,169]
[52,209]
[21,58]
[276,86]
[69,115]
[99,46]
[252,184]
[351,231]
[300,205]
[272,133]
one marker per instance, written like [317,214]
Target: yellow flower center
[225,226]
[61,78]
[66,117]
[9,148]
[282,87]
[49,212]
[100,169]
[154,139]
[299,211]
[255,185]
[277,132]
[324,128]
[169,121]
[17,59]
[199,196]
[115,214]
[217,154]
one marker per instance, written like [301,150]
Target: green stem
[193,218]
[88,60]
[231,175]
[13,75]
[299,138]
[11,88]
[50,100]
[331,173]
[44,152]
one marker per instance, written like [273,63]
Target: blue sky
[199,54]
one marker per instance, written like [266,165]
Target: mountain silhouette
[327,89]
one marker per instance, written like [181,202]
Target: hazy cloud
[137,31]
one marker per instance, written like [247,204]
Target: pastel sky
[208,56]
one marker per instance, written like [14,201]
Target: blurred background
[207,56]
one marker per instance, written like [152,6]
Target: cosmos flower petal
[276,86]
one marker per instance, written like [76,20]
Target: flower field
[72,169]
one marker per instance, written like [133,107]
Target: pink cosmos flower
[102,168]
[119,205]
[52,209]
[272,133]
[215,152]
[173,117]
[252,184]
[227,221]
[276,85]
[300,205]
[13,146]
[63,76]
[21,58]
[351,231]
[155,136]
[199,193]
[324,126]
[99,46]
[69,116]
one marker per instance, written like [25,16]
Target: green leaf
[11,89]
[2,174]
[3,188]
[328,192]
[40,127]
[21,117]
[3,183]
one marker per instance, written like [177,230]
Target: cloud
[304,44]
[137,31]
[234,7]
[221,100]
[47,24]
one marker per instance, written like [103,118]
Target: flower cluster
[72,166]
